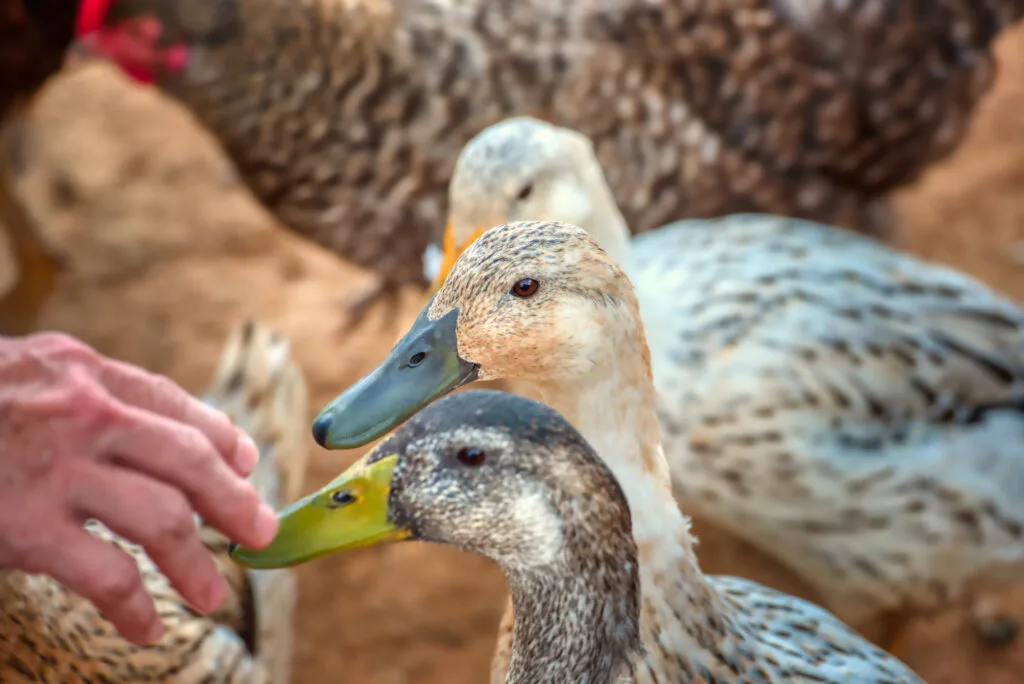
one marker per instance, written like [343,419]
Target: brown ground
[168,251]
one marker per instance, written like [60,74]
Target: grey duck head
[507,478]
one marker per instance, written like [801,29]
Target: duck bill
[451,253]
[423,366]
[349,513]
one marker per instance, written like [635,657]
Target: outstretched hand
[83,436]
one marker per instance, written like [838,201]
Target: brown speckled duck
[48,634]
[865,92]
[345,117]
[543,303]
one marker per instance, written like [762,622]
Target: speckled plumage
[48,634]
[864,92]
[851,410]
[345,116]
[578,338]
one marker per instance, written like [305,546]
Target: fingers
[139,388]
[159,519]
[106,576]
[182,457]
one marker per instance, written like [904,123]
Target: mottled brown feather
[866,92]
[345,117]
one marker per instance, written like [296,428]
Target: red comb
[91,14]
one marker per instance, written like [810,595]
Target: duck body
[849,409]
[867,93]
[543,303]
[350,131]
[49,634]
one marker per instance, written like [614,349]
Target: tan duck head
[527,301]
[507,478]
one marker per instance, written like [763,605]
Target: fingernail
[247,454]
[266,525]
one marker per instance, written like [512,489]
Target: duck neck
[614,409]
[575,623]
[606,224]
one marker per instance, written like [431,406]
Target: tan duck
[849,409]
[48,634]
[344,117]
[541,302]
[565,543]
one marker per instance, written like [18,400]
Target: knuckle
[90,401]
[64,347]
[218,418]
[195,448]
[248,499]
[174,518]
[116,583]
[163,386]
[82,386]
[32,552]
[165,393]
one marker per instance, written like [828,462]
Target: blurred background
[167,251]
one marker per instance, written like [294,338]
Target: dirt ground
[168,251]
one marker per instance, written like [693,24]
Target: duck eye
[471,456]
[344,497]
[526,287]
[525,191]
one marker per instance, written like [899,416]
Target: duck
[49,634]
[543,303]
[849,409]
[344,118]
[565,547]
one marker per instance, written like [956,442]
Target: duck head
[448,474]
[524,169]
[531,301]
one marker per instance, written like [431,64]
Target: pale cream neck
[606,224]
[613,407]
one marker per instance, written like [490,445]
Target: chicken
[48,634]
[34,35]
[345,117]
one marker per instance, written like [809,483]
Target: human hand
[83,436]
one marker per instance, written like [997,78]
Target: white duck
[851,410]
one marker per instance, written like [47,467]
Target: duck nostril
[416,359]
[344,497]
